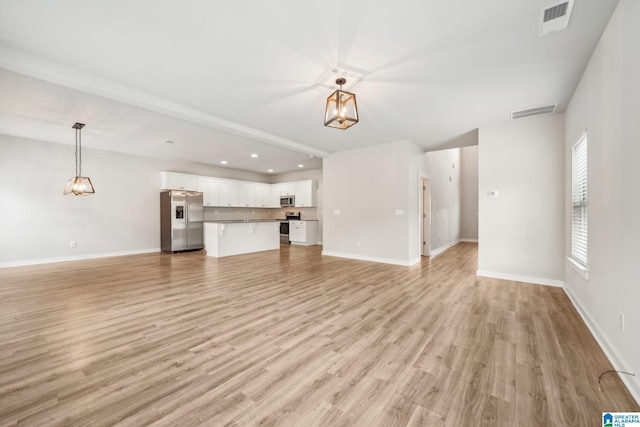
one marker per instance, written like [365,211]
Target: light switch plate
[336,211]
[399,212]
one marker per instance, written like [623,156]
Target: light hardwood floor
[293,338]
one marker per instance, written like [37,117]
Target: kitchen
[237,217]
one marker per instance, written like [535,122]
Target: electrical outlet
[622,321]
[73,244]
[359,243]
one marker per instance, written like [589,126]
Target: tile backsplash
[212,214]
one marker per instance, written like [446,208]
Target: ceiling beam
[54,73]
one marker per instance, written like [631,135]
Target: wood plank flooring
[293,338]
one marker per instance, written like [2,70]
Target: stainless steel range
[284,226]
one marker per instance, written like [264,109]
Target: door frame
[424,216]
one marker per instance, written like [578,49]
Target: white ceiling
[225,79]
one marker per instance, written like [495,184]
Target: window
[579,199]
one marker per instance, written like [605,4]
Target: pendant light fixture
[342,109]
[79,185]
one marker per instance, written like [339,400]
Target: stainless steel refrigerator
[181,216]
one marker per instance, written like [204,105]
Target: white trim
[578,267]
[469,240]
[424,245]
[54,73]
[438,251]
[520,278]
[75,258]
[372,259]
[605,345]
[414,261]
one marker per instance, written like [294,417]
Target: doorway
[425,216]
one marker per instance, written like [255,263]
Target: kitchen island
[235,237]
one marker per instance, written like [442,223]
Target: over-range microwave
[286,201]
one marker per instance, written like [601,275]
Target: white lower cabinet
[303,232]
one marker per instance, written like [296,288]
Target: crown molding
[55,73]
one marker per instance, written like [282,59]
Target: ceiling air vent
[555,17]
[555,12]
[533,112]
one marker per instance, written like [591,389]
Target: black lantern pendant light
[342,110]
[79,185]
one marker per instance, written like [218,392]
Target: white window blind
[579,199]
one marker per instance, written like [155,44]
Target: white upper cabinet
[246,194]
[306,194]
[263,196]
[274,198]
[178,181]
[228,194]
[210,189]
[287,189]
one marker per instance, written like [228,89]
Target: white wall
[367,186]
[442,168]
[521,232]
[38,222]
[469,193]
[607,104]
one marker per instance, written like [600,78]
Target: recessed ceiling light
[300,165]
[224,162]
[270,171]
[169,142]
[254,155]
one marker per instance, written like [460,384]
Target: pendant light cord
[78,164]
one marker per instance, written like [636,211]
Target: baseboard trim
[605,345]
[469,240]
[438,251]
[75,258]
[520,278]
[372,259]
